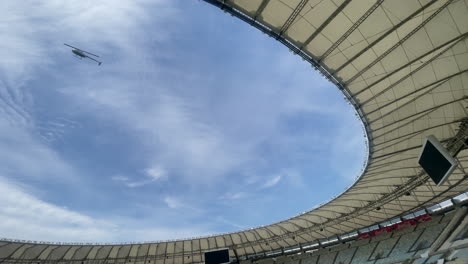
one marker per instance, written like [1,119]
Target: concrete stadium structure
[403,65]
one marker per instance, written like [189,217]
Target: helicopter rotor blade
[70,46]
[81,50]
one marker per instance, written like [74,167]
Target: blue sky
[194,124]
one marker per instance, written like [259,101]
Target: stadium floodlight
[436,161]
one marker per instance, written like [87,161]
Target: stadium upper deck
[402,64]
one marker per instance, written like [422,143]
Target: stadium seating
[410,245]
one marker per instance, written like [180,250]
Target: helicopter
[83,54]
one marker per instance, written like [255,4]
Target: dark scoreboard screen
[436,161]
[217,257]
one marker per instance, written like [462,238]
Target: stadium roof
[402,64]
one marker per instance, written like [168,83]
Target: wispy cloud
[151,175]
[156,173]
[173,203]
[271,182]
[178,203]
[24,216]
[23,156]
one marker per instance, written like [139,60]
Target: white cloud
[27,217]
[178,202]
[271,182]
[156,173]
[23,156]
[294,178]
[153,174]
[136,184]
[172,203]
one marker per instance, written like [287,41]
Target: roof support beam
[166,256]
[350,30]
[373,43]
[312,225]
[401,151]
[260,9]
[441,194]
[412,72]
[374,216]
[390,209]
[14,251]
[343,213]
[384,178]
[297,235]
[334,229]
[322,223]
[284,230]
[294,224]
[232,242]
[410,122]
[378,174]
[325,23]
[437,84]
[369,190]
[399,43]
[414,133]
[321,216]
[248,242]
[307,220]
[374,167]
[64,254]
[282,237]
[409,63]
[293,16]
[145,256]
[417,115]
[272,238]
[258,238]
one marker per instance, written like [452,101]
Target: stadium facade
[403,66]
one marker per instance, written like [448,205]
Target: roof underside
[403,64]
